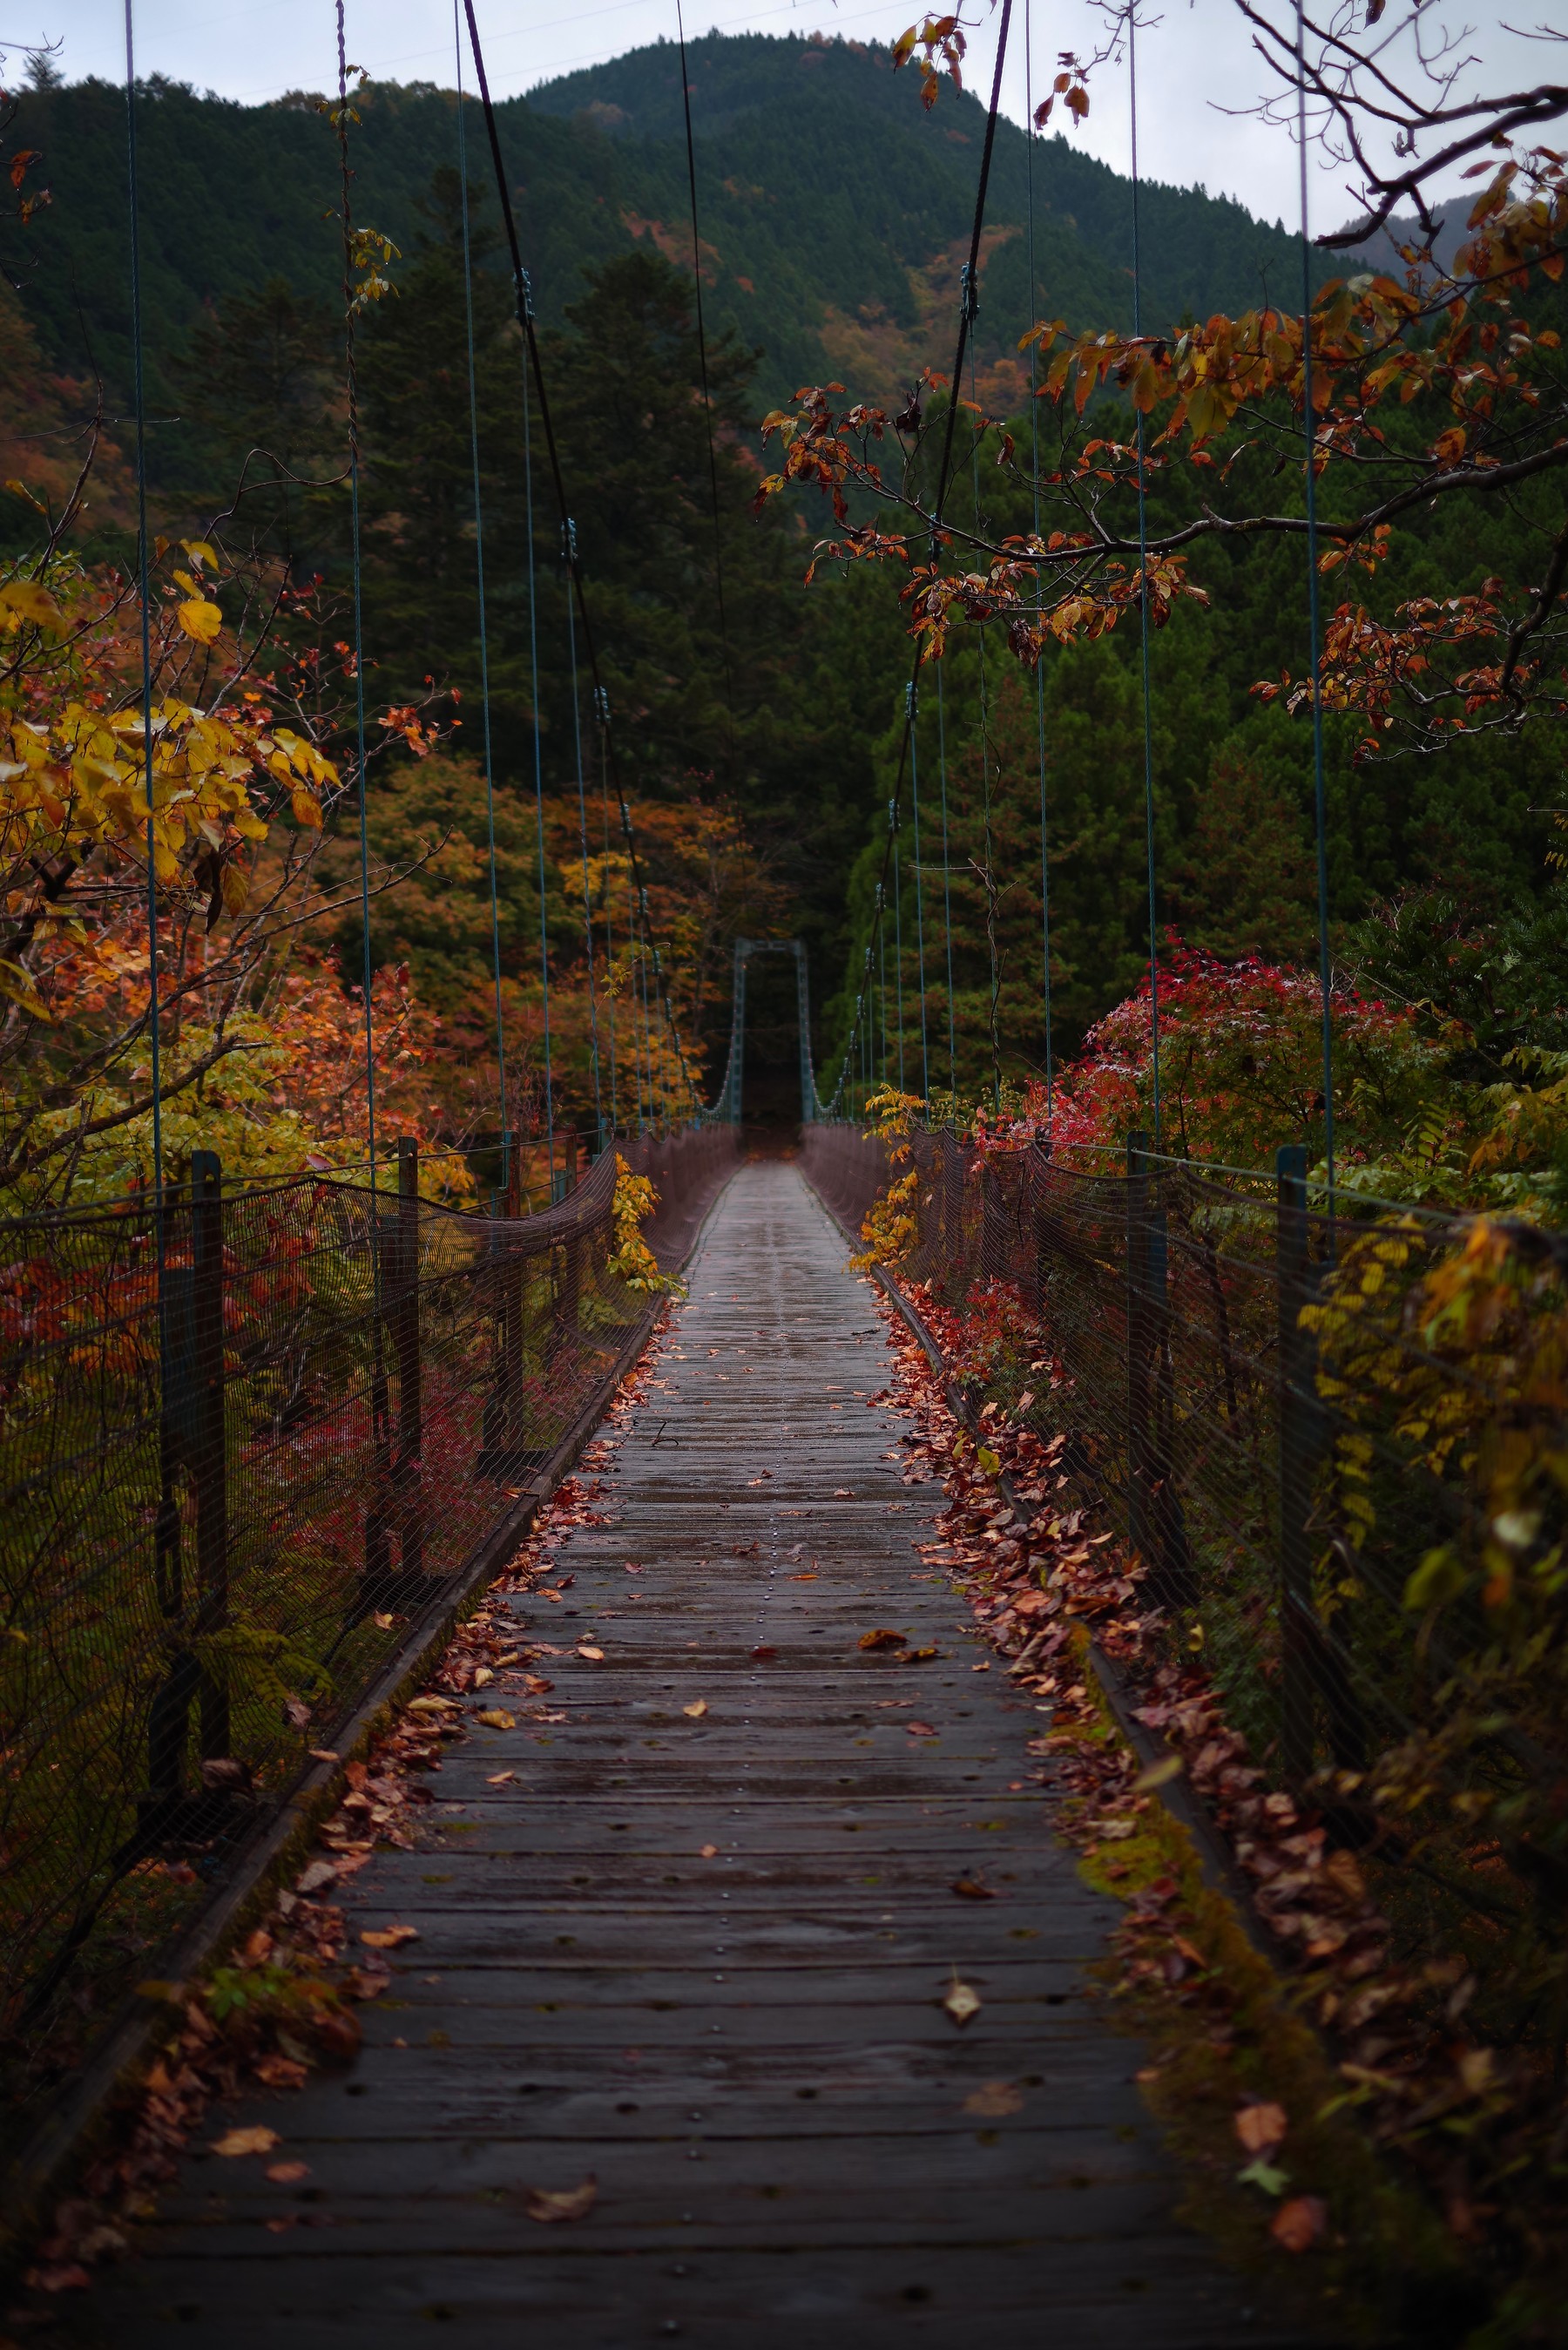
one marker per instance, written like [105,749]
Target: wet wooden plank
[747,2048]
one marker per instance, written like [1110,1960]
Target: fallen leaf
[256,2140]
[708,1852]
[537,1685]
[842,1493]
[281,2073]
[1297,2225]
[961,2001]
[496,1717]
[811,1576]
[284,2174]
[1266,2175]
[501,1779]
[764,1653]
[324,1755]
[482,1674]
[432,1705]
[697,1709]
[973,1888]
[993,2098]
[1159,1774]
[921,1730]
[1260,2128]
[389,1937]
[70,2278]
[360,1983]
[545,2205]
[882,1638]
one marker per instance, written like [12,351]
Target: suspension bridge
[728,1998]
[693,1942]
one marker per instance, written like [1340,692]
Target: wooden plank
[747,2048]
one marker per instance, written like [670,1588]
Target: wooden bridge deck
[748,2051]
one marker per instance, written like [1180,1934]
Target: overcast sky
[1196,61]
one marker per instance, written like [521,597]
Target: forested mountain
[833,208]
[834,216]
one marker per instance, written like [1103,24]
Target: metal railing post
[1311,1664]
[406,1341]
[952,1215]
[1297,1408]
[993,1253]
[1155,1525]
[512,1276]
[1137,1384]
[572,1251]
[208,1461]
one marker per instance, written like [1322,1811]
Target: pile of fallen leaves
[1480,2126]
[282,2004]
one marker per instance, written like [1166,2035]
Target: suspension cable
[988,834]
[358,622]
[911,703]
[568,550]
[526,296]
[1034,477]
[527,321]
[602,718]
[707,397]
[898,937]
[1315,620]
[1143,593]
[947,884]
[144,581]
[882,981]
[483,633]
[944,475]
[641,1059]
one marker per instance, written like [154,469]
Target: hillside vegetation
[832,210]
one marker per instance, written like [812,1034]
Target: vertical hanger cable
[947,890]
[1034,481]
[479,577]
[919,906]
[359,620]
[144,582]
[1315,620]
[538,760]
[1142,596]
[569,549]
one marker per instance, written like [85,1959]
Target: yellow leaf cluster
[634,1261]
[83,780]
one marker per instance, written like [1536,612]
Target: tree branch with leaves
[1427,385]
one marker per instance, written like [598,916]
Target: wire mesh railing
[251,1438]
[1339,1447]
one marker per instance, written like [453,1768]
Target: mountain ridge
[831,207]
